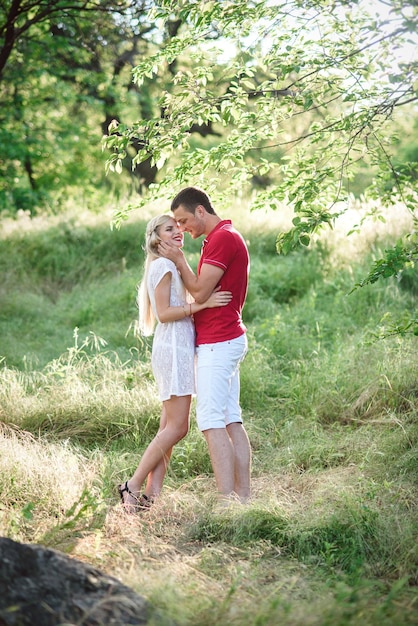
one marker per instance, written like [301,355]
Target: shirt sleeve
[158,269]
[220,250]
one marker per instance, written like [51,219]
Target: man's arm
[200,286]
[206,282]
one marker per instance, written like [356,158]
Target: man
[220,336]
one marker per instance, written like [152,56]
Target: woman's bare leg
[156,476]
[155,458]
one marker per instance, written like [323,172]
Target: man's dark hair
[190,198]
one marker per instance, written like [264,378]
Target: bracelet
[190,305]
[184,311]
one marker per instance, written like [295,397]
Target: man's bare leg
[230,455]
[242,460]
[221,454]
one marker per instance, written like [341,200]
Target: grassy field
[330,536]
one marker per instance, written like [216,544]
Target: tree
[313,87]
[65,75]
[64,68]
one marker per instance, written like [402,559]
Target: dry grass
[62,497]
[39,481]
[153,554]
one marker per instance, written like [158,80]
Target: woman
[163,300]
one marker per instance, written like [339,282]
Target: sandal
[141,504]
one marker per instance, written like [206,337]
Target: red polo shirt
[225,248]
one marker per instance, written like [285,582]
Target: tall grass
[330,536]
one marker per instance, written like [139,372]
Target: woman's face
[171,233]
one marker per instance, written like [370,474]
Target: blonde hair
[146,315]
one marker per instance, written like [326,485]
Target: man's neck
[211,222]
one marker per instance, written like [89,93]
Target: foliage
[396,262]
[310,78]
[64,74]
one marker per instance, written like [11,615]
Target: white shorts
[218,384]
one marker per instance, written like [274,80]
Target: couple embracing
[194,315]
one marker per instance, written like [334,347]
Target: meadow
[330,535]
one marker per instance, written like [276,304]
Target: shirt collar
[218,226]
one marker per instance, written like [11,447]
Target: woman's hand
[218,298]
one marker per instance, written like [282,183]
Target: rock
[43,587]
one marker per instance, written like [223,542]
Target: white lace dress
[173,348]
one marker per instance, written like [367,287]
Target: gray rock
[43,587]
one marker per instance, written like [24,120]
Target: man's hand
[169,251]
[218,298]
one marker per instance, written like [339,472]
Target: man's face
[189,223]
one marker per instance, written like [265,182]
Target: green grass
[330,535]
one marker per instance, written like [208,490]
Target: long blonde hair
[146,315]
